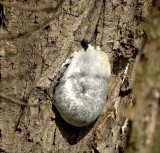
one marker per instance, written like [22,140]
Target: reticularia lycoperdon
[81,92]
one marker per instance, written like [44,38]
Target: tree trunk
[35,42]
[145,115]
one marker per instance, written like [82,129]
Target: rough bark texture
[30,63]
[145,124]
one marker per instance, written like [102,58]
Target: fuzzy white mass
[82,90]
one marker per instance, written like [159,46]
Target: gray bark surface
[31,60]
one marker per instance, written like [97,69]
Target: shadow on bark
[71,133]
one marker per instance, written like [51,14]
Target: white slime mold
[81,91]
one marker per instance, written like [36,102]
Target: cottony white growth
[81,92]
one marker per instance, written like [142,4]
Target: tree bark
[145,115]
[35,43]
